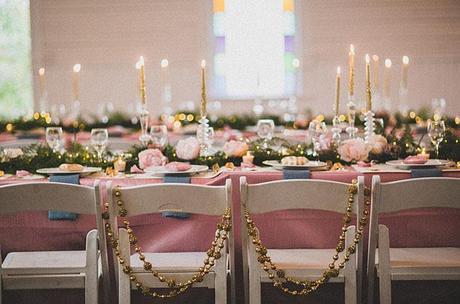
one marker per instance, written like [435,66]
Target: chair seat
[407,262]
[44,262]
[302,262]
[170,261]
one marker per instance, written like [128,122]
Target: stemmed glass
[317,129]
[99,139]
[436,130]
[159,136]
[265,130]
[54,138]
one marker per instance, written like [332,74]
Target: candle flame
[77,68]
[368,59]
[405,60]
[203,64]
[338,70]
[352,49]
[375,57]
[41,71]
[295,62]
[164,63]
[140,63]
[388,63]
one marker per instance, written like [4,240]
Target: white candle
[75,82]
[368,83]
[203,112]
[140,65]
[387,78]
[404,71]
[351,70]
[165,81]
[337,91]
[376,61]
[41,74]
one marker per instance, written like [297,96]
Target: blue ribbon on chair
[426,172]
[296,174]
[175,179]
[66,179]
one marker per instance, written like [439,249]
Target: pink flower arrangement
[188,149]
[151,157]
[235,148]
[378,144]
[353,150]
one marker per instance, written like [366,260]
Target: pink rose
[378,144]
[353,150]
[135,169]
[235,148]
[188,149]
[22,173]
[151,157]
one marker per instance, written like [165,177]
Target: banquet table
[286,229]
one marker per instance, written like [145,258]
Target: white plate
[164,171]
[56,171]
[430,163]
[311,165]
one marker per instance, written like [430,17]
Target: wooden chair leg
[92,269]
[1,278]
[350,271]
[220,283]
[254,287]
[384,266]
[124,284]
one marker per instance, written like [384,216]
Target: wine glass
[54,138]
[316,130]
[436,130]
[99,139]
[159,136]
[265,130]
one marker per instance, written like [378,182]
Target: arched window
[254,48]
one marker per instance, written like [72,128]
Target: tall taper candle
[375,72]
[75,82]
[203,112]
[368,83]
[337,91]
[351,70]
[387,78]
[140,65]
[404,71]
[41,74]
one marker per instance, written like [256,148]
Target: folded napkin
[66,179]
[173,179]
[426,172]
[296,174]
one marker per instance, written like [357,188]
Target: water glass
[316,130]
[99,139]
[54,138]
[436,130]
[265,130]
[211,135]
[159,136]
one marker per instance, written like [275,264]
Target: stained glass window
[254,48]
[15,58]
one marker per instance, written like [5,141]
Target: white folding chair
[55,269]
[300,263]
[441,263]
[210,200]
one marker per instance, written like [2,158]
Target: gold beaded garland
[279,277]
[213,254]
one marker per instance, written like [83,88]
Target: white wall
[108,36]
